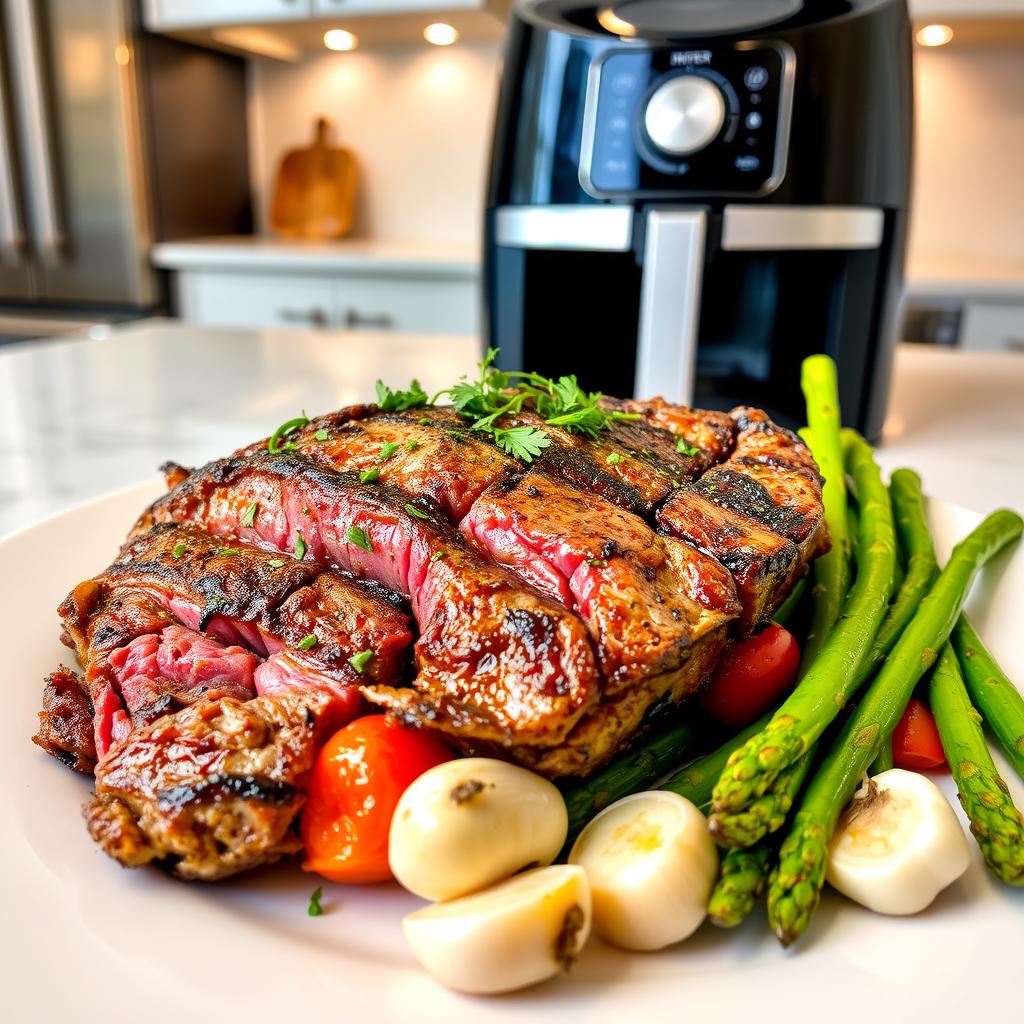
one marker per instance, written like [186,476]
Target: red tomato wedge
[751,676]
[354,787]
[915,740]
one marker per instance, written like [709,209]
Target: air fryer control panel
[668,122]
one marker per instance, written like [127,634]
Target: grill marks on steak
[211,790]
[494,658]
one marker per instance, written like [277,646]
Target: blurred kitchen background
[143,145]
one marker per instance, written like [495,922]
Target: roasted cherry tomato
[751,676]
[355,784]
[915,740]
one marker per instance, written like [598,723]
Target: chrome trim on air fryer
[771,228]
[781,140]
[670,304]
[601,228]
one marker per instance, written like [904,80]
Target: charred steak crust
[212,790]
[65,722]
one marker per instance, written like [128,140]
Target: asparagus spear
[631,772]
[823,691]
[744,871]
[995,821]
[998,700]
[795,886]
[742,878]
[832,570]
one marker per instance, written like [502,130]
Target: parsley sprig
[560,403]
[401,401]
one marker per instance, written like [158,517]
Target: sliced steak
[494,658]
[211,790]
[760,513]
[65,722]
[646,599]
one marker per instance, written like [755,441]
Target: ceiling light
[611,22]
[339,39]
[934,35]
[441,34]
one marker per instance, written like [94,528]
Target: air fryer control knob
[685,114]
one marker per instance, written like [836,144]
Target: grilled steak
[65,723]
[495,660]
[211,790]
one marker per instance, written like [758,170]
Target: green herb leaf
[179,550]
[314,909]
[386,451]
[418,513]
[300,546]
[615,458]
[276,563]
[438,555]
[424,422]
[308,642]
[321,435]
[412,444]
[597,563]
[358,536]
[369,476]
[361,660]
[286,429]
[249,516]
[400,401]
[524,443]
[685,448]
[229,551]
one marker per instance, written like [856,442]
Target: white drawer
[256,300]
[420,305]
[996,326]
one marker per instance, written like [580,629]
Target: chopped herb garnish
[314,909]
[386,451]
[361,660]
[369,476]
[615,458]
[401,401]
[685,448]
[276,563]
[249,516]
[358,536]
[412,444]
[179,550]
[418,513]
[300,546]
[229,551]
[597,563]
[561,403]
[321,435]
[424,422]
[308,642]
[286,429]
[438,555]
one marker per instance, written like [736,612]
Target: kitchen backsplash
[419,120]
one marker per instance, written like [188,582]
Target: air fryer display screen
[671,121]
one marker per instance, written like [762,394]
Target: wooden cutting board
[315,191]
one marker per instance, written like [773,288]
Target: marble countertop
[349,256]
[84,416]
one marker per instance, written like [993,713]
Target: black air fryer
[687,197]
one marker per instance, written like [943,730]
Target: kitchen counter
[257,252]
[83,416]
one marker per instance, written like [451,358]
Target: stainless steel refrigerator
[110,139]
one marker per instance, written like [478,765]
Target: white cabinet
[996,326]
[161,15]
[326,8]
[920,9]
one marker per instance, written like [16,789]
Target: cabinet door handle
[315,316]
[382,321]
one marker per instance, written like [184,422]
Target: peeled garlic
[467,823]
[651,865]
[517,933]
[898,845]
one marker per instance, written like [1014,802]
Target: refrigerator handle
[27,77]
[12,232]
[670,294]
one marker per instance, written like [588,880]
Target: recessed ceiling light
[440,34]
[934,35]
[340,39]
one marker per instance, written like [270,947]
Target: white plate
[81,934]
